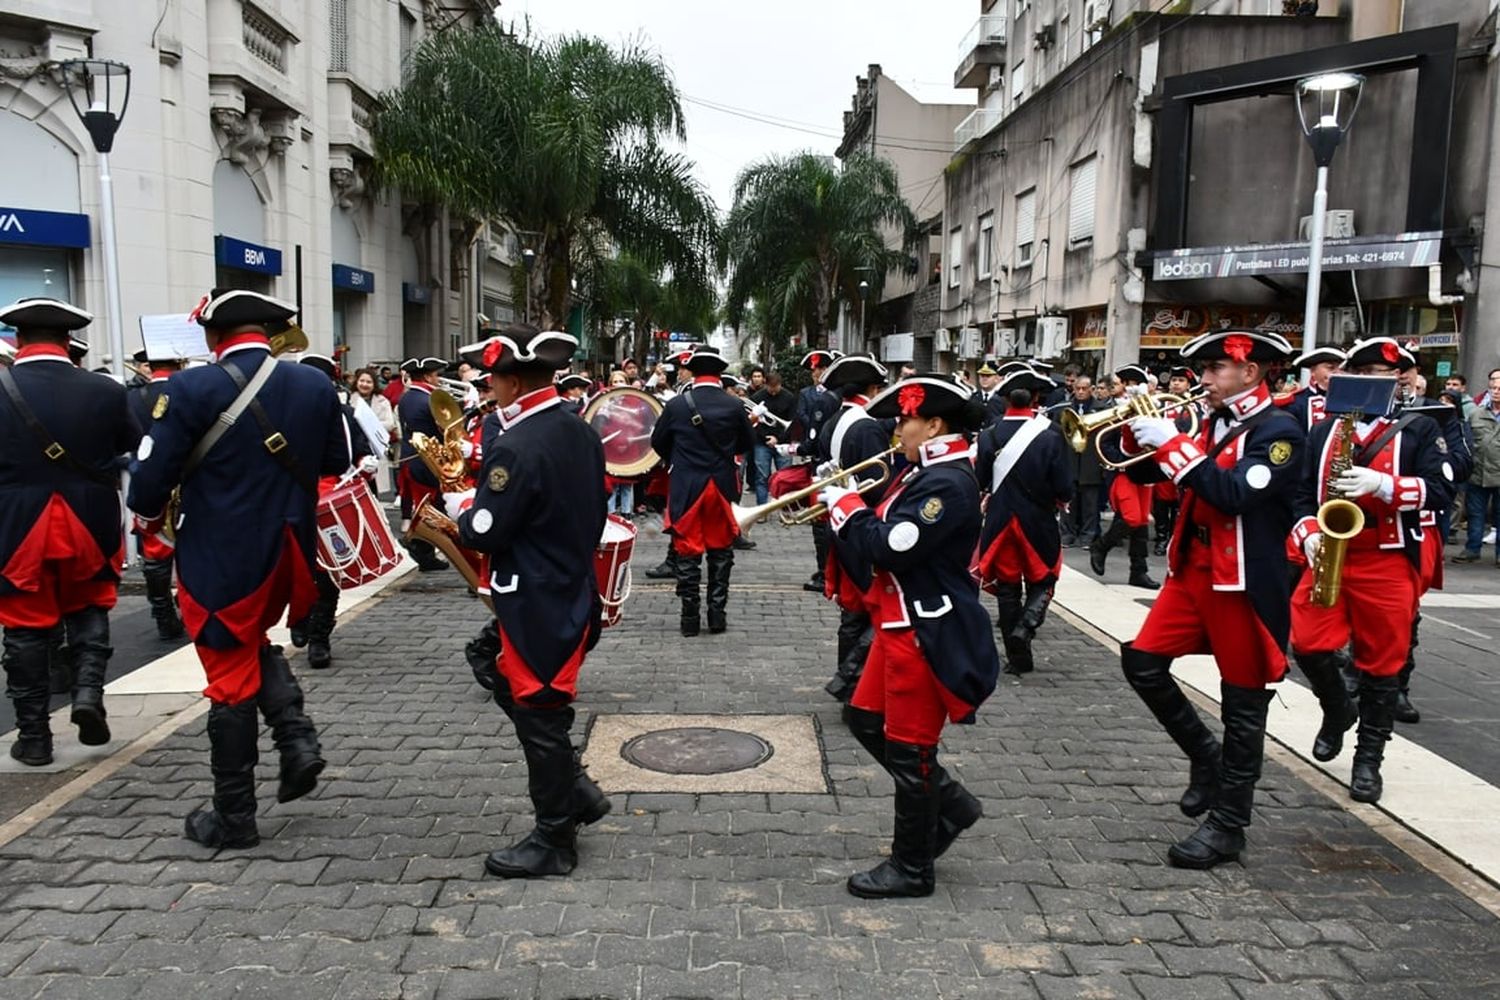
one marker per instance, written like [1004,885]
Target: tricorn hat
[521,347]
[1380,351]
[573,381]
[321,362]
[40,313]
[858,370]
[1238,344]
[228,308]
[1318,356]
[926,395]
[705,360]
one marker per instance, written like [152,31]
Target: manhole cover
[697,750]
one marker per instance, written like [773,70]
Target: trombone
[1080,428]
[747,516]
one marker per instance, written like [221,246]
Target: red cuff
[1304,529]
[1409,492]
[1178,457]
[847,505]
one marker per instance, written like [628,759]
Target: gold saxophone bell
[1079,428]
[747,516]
[1338,519]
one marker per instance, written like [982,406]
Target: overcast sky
[790,60]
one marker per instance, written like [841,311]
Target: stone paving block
[719,983]
[429,953]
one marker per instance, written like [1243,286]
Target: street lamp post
[1325,109]
[104,89]
[864,301]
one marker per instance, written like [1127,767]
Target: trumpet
[1080,428]
[747,516]
[777,423]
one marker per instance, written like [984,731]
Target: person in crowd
[783,406]
[365,387]
[1483,488]
[1080,521]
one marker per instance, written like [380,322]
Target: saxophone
[1338,519]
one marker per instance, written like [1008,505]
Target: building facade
[1054,239]
[243,160]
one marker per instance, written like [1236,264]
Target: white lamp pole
[1330,100]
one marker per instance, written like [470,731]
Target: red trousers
[706,525]
[1130,500]
[1190,616]
[1378,596]
[530,690]
[55,569]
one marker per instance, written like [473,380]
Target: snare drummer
[245,541]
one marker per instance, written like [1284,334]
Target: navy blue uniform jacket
[538,513]
[415,413]
[239,502]
[941,599]
[699,454]
[1041,479]
[857,436]
[88,415]
[815,407]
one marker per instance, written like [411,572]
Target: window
[408,29]
[955,256]
[1017,83]
[986,244]
[1081,202]
[1025,226]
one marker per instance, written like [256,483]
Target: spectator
[1080,522]
[782,404]
[908,370]
[757,379]
[385,377]
[1459,386]
[1483,491]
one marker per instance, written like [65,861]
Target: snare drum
[355,544]
[612,565]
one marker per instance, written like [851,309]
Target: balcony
[980,122]
[983,46]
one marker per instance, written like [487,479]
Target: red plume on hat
[1391,353]
[492,353]
[911,398]
[1237,347]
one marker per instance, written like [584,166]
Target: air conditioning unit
[1343,326]
[969,344]
[942,340]
[997,77]
[1006,341]
[1338,224]
[1052,336]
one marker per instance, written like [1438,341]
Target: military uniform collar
[1248,403]
[860,401]
[421,387]
[42,352]
[249,341]
[701,381]
[529,405]
[948,448]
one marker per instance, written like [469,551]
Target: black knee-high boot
[89,648]
[320,622]
[958,809]
[232,732]
[1160,529]
[820,534]
[1339,710]
[689,577]
[909,870]
[1099,547]
[426,555]
[1406,712]
[855,636]
[481,652]
[1008,609]
[1150,676]
[667,570]
[720,567]
[1377,708]
[59,660]
[296,739]
[551,847]
[1221,837]
[158,574]
[26,684]
[1139,577]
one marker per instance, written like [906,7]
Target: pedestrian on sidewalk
[932,658]
[246,535]
[537,514]
[1483,489]
[61,432]
[1226,591]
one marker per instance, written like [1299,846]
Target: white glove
[1362,482]
[369,465]
[466,447]
[830,496]
[1152,432]
[1311,546]
[1136,389]
[786,449]
[456,503]
[825,469]
[758,410]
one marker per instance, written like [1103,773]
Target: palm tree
[628,287]
[558,140]
[802,234]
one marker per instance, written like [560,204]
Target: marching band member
[1401,466]
[932,659]
[700,432]
[1306,401]
[316,630]
[851,436]
[1025,465]
[573,389]
[156,550]
[415,482]
[1131,502]
[537,513]
[246,439]
[815,405]
[1164,500]
[61,432]
[1226,589]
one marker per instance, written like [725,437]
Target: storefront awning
[352,279]
[243,256]
[1358,253]
[30,227]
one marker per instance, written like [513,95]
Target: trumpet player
[815,407]
[1226,591]
[849,437]
[1306,402]
[1131,502]
[932,660]
[1393,468]
[1025,466]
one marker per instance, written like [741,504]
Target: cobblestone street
[374,887]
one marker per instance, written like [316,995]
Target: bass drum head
[624,418]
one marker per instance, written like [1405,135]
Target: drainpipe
[1435,288]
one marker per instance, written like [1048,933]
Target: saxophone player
[1396,467]
[1226,589]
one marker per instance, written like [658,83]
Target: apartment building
[243,160]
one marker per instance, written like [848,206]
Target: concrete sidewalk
[374,887]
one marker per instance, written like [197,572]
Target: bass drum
[624,418]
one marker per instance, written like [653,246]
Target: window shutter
[1081,205]
[1025,223]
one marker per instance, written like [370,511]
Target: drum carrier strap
[51,447]
[274,441]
